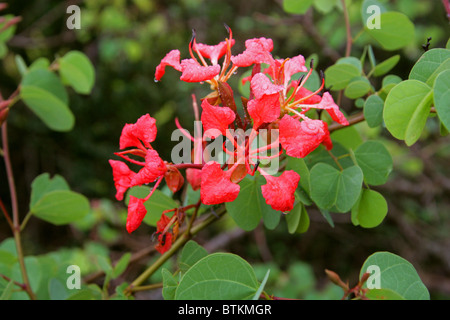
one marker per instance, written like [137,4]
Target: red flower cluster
[276,102]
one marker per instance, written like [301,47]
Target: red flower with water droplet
[216,186]
[256,51]
[144,130]
[136,213]
[216,119]
[332,108]
[279,191]
[171,59]
[299,138]
[154,168]
[265,107]
[213,52]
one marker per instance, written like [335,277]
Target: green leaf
[218,276]
[373,111]
[57,290]
[8,33]
[293,217]
[442,97]
[42,185]
[21,65]
[303,224]
[396,31]
[351,60]
[339,75]
[406,110]
[375,162]
[348,137]
[371,209]
[386,66]
[121,265]
[77,71]
[170,285]
[331,187]
[250,206]
[155,206]
[6,293]
[296,7]
[357,87]
[45,95]
[261,287]
[299,166]
[429,65]
[383,294]
[61,207]
[398,275]
[191,253]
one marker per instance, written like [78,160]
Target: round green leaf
[45,95]
[191,253]
[398,275]
[339,75]
[332,188]
[357,87]
[42,185]
[406,110]
[371,209]
[61,207]
[375,162]
[396,31]
[218,276]
[373,111]
[386,66]
[430,64]
[442,97]
[77,71]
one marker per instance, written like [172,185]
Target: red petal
[136,213]
[261,85]
[171,59]
[216,119]
[215,52]
[122,177]
[301,138]
[194,177]
[279,191]
[143,130]
[192,71]
[216,186]
[154,168]
[162,223]
[293,66]
[266,109]
[257,51]
[165,242]
[332,108]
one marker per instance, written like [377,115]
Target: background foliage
[125,40]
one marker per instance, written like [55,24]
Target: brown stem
[354,119]
[348,47]
[15,210]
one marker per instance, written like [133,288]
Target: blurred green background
[125,41]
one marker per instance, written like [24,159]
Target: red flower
[279,191]
[122,177]
[332,108]
[153,169]
[136,213]
[192,71]
[213,53]
[171,59]
[303,92]
[164,237]
[216,119]
[301,138]
[216,186]
[143,130]
[266,105]
[257,51]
